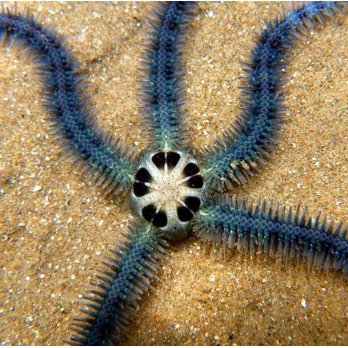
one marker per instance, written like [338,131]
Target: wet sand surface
[56,227]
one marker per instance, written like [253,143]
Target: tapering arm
[267,228]
[248,143]
[162,76]
[130,272]
[108,162]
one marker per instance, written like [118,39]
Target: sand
[56,227]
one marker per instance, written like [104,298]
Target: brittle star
[170,153]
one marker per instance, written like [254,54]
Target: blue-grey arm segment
[105,160]
[264,227]
[162,77]
[250,141]
[128,276]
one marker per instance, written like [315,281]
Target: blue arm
[105,160]
[161,87]
[267,228]
[249,142]
[129,274]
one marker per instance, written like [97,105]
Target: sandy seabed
[56,227]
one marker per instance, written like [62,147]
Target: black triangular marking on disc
[140,189]
[172,159]
[143,175]
[149,212]
[184,214]
[191,169]
[193,203]
[160,219]
[195,182]
[158,159]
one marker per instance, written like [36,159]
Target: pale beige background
[56,227]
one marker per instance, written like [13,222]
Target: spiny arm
[239,152]
[105,160]
[129,275]
[161,88]
[261,226]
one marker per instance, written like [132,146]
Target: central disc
[168,189]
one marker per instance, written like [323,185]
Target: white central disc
[168,189]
